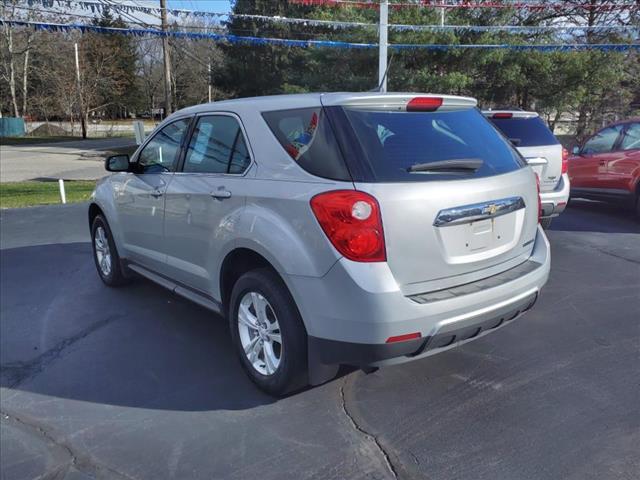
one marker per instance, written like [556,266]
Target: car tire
[546,222]
[267,305]
[105,254]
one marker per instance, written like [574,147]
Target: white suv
[542,150]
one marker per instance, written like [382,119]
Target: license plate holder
[479,235]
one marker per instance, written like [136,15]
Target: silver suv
[543,152]
[360,229]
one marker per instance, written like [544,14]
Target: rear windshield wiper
[462,165]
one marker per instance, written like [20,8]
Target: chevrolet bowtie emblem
[491,209]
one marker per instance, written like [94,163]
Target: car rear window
[399,146]
[307,137]
[525,132]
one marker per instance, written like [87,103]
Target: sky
[221,6]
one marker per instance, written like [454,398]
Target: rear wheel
[105,254]
[545,222]
[268,332]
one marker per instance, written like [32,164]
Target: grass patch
[27,194]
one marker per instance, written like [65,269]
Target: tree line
[121,76]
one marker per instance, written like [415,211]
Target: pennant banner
[534,6]
[244,40]
[96,7]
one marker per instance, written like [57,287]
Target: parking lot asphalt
[138,383]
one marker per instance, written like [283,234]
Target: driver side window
[161,153]
[603,141]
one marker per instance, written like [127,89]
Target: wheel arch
[106,208]
[94,211]
[236,263]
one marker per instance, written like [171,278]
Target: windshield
[525,132]
[400,146]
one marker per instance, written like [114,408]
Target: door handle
[602,162]
[221,194]
[157,193]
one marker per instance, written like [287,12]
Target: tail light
[565,160]
[539,199]
[424,104]
[502,115]
[352,222]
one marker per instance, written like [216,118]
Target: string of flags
[250,40]
[96,7]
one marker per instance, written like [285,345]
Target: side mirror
[117,163]
[576,150]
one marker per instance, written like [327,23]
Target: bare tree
[15,46]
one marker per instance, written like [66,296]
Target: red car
[607,165]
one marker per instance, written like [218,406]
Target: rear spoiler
[400,102]
[509,114]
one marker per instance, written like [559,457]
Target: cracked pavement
[137,383]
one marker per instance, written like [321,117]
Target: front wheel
[268,333]
[105,254]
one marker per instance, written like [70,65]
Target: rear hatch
[535,142]
[457,201]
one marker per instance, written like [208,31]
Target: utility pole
[383,27]
[83,119]
[167,60]
[209,79]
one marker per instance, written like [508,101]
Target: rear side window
[631,139]
[217,146]
[307,137]
[525,132]
[400,146]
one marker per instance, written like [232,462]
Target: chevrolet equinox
[363,229]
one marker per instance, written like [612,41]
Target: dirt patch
[48,130]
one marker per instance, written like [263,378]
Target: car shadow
[64,334]
[592,216]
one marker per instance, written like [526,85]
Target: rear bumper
[349,318]
[359,354]
[554,202]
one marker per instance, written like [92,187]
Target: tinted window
[603,141]
[308,139]
[631,139]
[217,146]
[396,144]
[525,132]
[161,153]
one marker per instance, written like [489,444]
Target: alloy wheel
[103,253]
[260,333]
